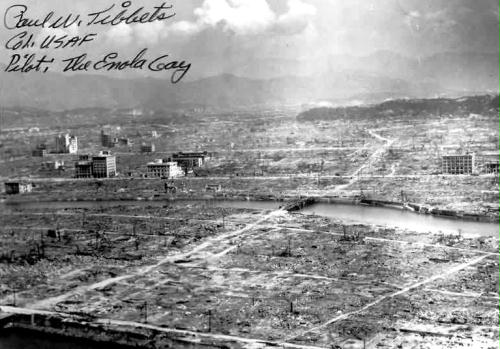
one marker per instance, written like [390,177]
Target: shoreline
[354,201]
[123,334]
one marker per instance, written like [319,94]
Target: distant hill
[55,91]
[342,81]
[485,104]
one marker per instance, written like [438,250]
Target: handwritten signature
[16,16]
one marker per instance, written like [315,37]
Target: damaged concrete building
[457,164]
[190,161]
[13,188]
[164,169]
[98,166]
[66,144]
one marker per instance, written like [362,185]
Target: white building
[161,169]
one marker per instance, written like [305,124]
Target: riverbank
[458,196]
[354,200]
[85,332]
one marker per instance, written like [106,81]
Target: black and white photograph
[249,174]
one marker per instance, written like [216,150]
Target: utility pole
[223,218]
[210,320]
[1,117]
[321,166]
[42,244]
[58,232]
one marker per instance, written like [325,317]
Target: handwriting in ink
[28,62]
[15,17]
[105,17]
[110,62]
[25,40]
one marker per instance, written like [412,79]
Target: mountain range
[483,105]
[335,79]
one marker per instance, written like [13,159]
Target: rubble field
[268,275]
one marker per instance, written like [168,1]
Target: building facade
[125,141]
[98,166]
[13,188]
[83,167]
[40,153]
[51,166]
[104,165]
[164,169]
[457,164]
[491,168]
[107,140]
[66,144]
[148,148]
[189,161]
[40,150]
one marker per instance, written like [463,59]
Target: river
[402,219]
[26,339]
[384,216]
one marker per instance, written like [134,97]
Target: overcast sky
[209,32]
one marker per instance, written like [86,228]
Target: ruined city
[325,176]
[270,228]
